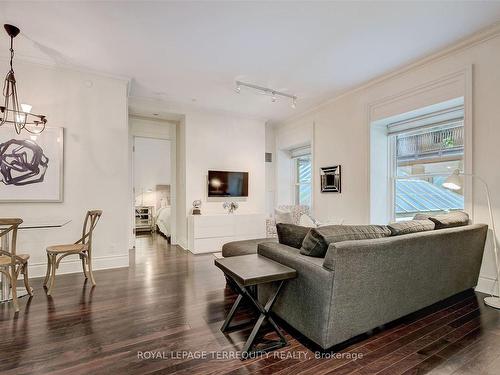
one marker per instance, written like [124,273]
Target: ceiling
[192,52]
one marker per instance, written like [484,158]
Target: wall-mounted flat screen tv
[227,184]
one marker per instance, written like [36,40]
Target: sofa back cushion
[448,220]
[291,235]
[410,226]
[317,240]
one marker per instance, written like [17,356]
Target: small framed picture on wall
[331,179]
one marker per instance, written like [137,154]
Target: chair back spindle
[8,225]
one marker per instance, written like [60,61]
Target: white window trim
[442,86]
[295,183]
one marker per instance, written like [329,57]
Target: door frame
[168,132]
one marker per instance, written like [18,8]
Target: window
[423,153]
[303,180]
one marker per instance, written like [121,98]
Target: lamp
[10,112]
[453,182]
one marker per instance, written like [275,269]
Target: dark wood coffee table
[246,271]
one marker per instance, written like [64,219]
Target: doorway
[153,180]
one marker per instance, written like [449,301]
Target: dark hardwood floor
[169,305]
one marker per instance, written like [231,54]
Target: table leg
[5,289]
[265,314]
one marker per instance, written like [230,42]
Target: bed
[163,221]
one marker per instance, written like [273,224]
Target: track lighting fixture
[267,91]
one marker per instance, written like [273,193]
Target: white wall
[270,169]
[152,163]
[208,140]
[224,142]
[291,136]
[341,132]
[181,214]
[92,110]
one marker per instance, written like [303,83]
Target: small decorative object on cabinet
[144,218]
[330,179]
[197,207]
[230,206]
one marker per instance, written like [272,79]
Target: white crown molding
[184,108]
[479,37]
[44,63]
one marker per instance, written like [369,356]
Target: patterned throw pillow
[306,221]
[411,226]
[318,239]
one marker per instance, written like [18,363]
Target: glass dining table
[26,225]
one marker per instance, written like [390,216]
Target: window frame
[392,163]
[297,184]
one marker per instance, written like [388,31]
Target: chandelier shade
[12,112]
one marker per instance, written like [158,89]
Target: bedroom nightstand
[144,220]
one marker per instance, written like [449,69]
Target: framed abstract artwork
[31,166]
[331,179]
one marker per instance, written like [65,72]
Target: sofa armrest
[292,257]
[305,302]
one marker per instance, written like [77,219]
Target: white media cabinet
[207,233]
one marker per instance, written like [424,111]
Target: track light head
[266,91]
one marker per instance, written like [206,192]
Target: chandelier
[10,113]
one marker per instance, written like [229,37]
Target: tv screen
[227,184]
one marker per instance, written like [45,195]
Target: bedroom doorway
[153,181]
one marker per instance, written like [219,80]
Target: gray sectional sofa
[362,284]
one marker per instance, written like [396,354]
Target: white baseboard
[486,285]
[74,265]
[182,244]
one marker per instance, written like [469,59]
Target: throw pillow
[450,220]
[410,226]
[306,221]
[291,235]
[317,240]
[282,216]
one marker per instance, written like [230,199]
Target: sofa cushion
[291,235]
[244,247]
[318,239]
[410,226]
[450,220]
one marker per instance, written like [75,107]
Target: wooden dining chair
[82,247]
[11,263]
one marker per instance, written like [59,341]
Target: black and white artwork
[331,179]
[31,166]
